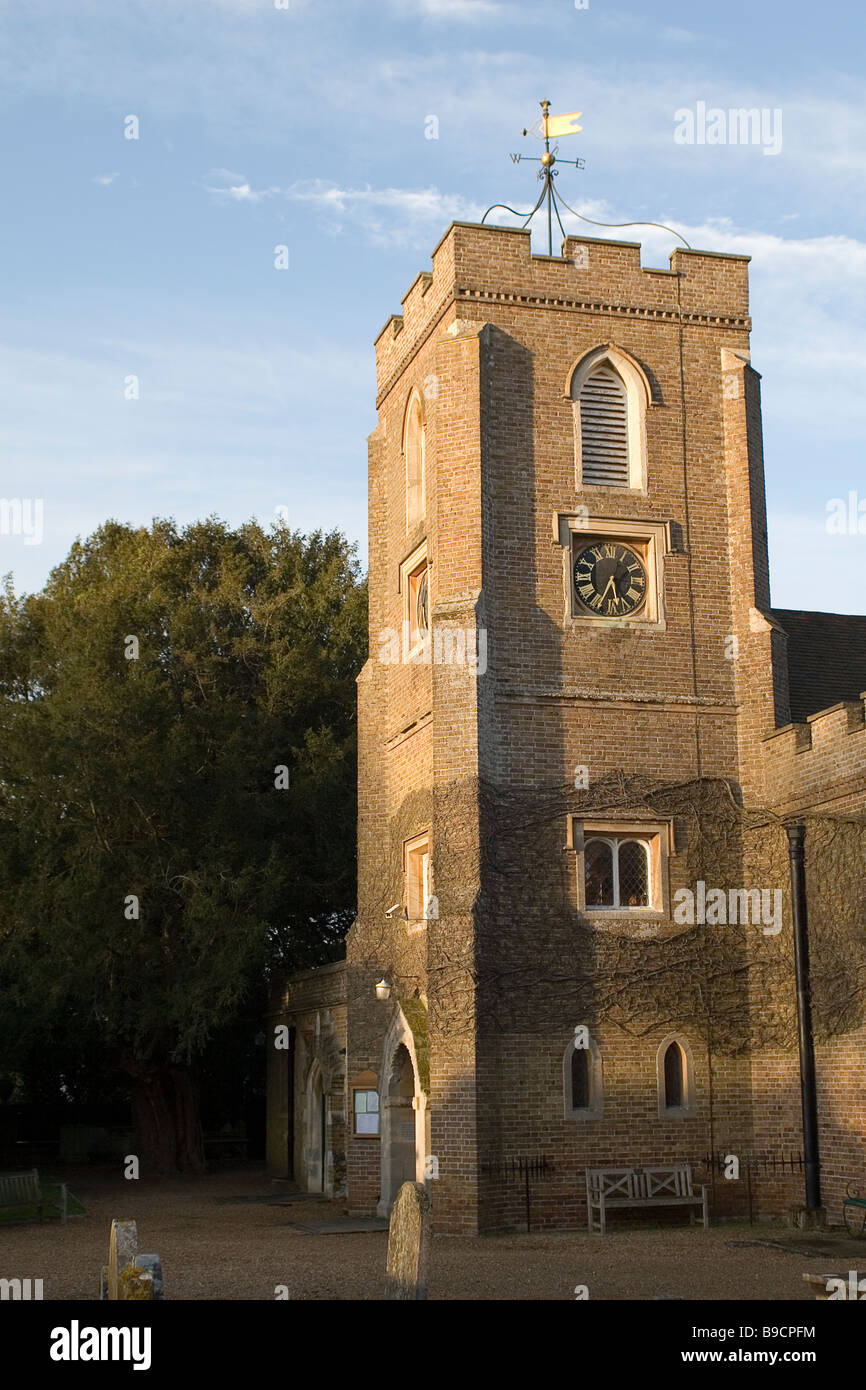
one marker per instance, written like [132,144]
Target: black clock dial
[609,580]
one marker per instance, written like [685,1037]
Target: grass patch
[13,1216]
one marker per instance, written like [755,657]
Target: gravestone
[129,1276]
[408,1243]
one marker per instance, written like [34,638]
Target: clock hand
[606,587]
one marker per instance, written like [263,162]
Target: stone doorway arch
[403,1108]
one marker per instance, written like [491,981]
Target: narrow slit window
[580,1079]
[674,1077]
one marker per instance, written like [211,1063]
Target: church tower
[570,643]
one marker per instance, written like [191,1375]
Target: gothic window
[413,452]
[675,1076]
[610,392]
[582,1080]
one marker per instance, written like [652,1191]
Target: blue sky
[305,126]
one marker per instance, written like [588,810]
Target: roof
[826,659]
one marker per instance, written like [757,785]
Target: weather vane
[547,128]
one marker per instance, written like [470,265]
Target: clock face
[610,580]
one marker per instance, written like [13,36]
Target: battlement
[820,762]
[477,268]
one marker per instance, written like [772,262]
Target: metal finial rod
[563,125]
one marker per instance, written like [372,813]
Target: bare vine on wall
[511,950]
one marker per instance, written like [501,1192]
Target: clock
[610,580]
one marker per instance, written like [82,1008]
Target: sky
[154,361]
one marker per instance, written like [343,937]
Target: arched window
[604,429]
[610,392]
[617,872]
[675,1069]
[413,452]
[582,1078]
[676,1078]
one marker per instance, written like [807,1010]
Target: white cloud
[388,216]
[236,187]
[105,179]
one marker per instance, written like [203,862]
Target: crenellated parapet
[820,763]
[475,267]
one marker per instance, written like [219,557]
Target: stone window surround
[690,1108]
[638,396]
[652,538]
[659,834]
[595,1109]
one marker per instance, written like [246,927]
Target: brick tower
[574,730]
[532,408]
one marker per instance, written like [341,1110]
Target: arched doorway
[403,1115]
[316,1132]
[401,1094]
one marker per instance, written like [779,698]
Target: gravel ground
[212,1248]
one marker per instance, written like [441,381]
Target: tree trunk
[165,1117]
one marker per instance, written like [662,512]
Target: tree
[177,795]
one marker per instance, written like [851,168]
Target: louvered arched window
[610,392]
[604,429]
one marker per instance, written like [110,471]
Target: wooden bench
[24,1190]
[610,1188]
[854,1210]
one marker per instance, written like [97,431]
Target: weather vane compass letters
[546,128]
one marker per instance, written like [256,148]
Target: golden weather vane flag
[551,127]
[555,126]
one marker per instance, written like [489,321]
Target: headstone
[129,1276]
[408,1243]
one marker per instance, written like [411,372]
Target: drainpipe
[796,849]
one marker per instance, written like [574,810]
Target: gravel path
[212,1248]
